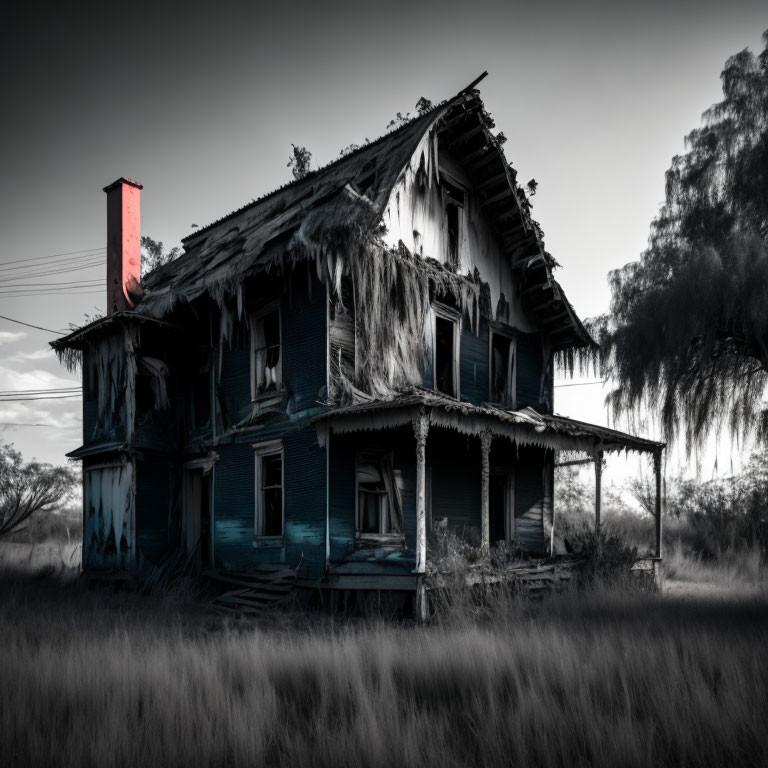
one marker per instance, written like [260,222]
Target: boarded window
[269,496]
[266,353]
[445,356]
[379,507]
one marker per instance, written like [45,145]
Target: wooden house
[331,370]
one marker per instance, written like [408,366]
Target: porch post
[598,488]
[485,463]
[420,429]
[657,476]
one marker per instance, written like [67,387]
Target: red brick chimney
[123,243]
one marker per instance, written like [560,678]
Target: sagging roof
[257,237]
[525,426]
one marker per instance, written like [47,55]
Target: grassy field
[93,677]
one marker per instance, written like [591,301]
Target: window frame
[454,316]
[391,537]
[253,316]
[454,194]
[262,451]
[496,329]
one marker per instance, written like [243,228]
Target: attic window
[266,351]
[454,204]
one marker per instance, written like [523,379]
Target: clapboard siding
[233,511]
[474,364]
[529,369]
[529,499]
[305,502]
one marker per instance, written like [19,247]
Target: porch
[495,465]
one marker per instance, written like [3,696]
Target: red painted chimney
[123,243]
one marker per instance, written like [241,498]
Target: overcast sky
[201,107]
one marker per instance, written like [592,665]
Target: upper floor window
[445,350]
[266,350]
[502,365]
[269,490]
[453,197]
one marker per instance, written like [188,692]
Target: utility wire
[55,263]
[29,325]
[54,255]
[39,391]
[59,269]
[34,397]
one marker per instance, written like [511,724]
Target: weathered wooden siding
[233,508]
[529,498]
[234,386]
[157,530]
[473,364]
[108,515]
[305,502]
[415,215]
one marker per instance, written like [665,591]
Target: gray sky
[201,106]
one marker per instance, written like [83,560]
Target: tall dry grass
[90,677]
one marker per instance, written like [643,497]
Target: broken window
[269,494]
[445,362]
[454,204]
[379,508]
[502,367]
[266,353]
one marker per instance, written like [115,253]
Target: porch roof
[525,426]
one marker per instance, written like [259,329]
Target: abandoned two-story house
[332,369]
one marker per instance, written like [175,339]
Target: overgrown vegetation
[29,488]
[707,253]
[154,254]
[90,677]
[299,162]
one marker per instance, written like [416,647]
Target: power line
[55,262]
[58,269]
[34,397]
[10,392]
[59,284]
[29,325]
[54,255]
[13,295]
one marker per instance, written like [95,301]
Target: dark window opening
[500,369]
[452,215]
[272,495]
[445,356]
[267,353]
[454,202]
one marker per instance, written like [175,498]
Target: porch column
[485,464]
[657,476]
[598,488]
[421,429]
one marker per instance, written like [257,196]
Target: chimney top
[123,180]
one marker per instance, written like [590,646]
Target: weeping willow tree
[687,330]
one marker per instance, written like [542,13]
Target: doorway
[499,507]
[196,519]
